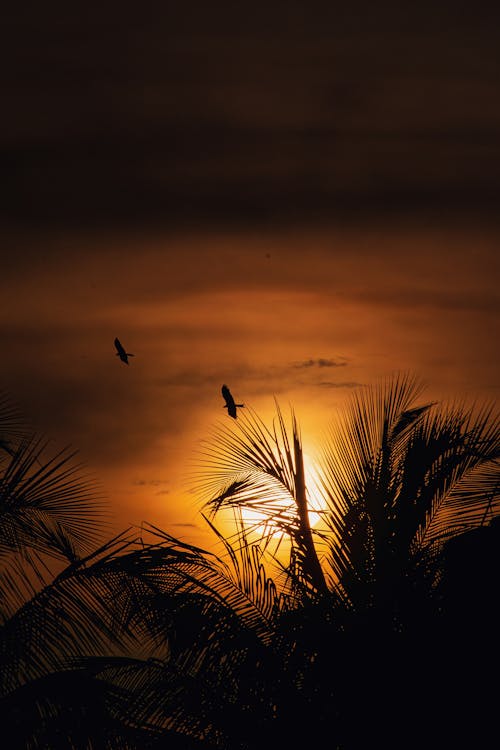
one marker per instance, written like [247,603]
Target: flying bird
[229,405]
[120,352]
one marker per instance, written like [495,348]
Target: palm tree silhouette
[399,480]
[291,631]
[79,616]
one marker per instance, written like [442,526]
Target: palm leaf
[12,426]
[50,513]
[399,478]
[253,468]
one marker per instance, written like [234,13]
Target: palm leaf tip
[227,495]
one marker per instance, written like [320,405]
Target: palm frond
[399,478]
[12,426]
[38,492]
[463,479]
[260,470]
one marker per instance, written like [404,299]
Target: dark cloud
[220,114]
[320,362]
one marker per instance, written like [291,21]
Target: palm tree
[400,479]
[56,591]
[131,642]
[291,631]
[85,621]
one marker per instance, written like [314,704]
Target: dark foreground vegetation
[375,628]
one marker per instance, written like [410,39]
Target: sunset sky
[293,199]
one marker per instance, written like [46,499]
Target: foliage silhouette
[349,628]
[400,479]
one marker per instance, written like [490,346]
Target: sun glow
[315,497]
[272,523]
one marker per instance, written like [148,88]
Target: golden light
[269,524]
[316,501]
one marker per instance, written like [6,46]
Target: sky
[293,199]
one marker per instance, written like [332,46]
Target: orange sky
[302,315]
[291,198]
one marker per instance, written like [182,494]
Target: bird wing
[231,406]
[226,394]
[119,347]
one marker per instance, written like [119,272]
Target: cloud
[341,129]
[320,362]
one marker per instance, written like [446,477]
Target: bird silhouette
[120,352]
[229,405]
